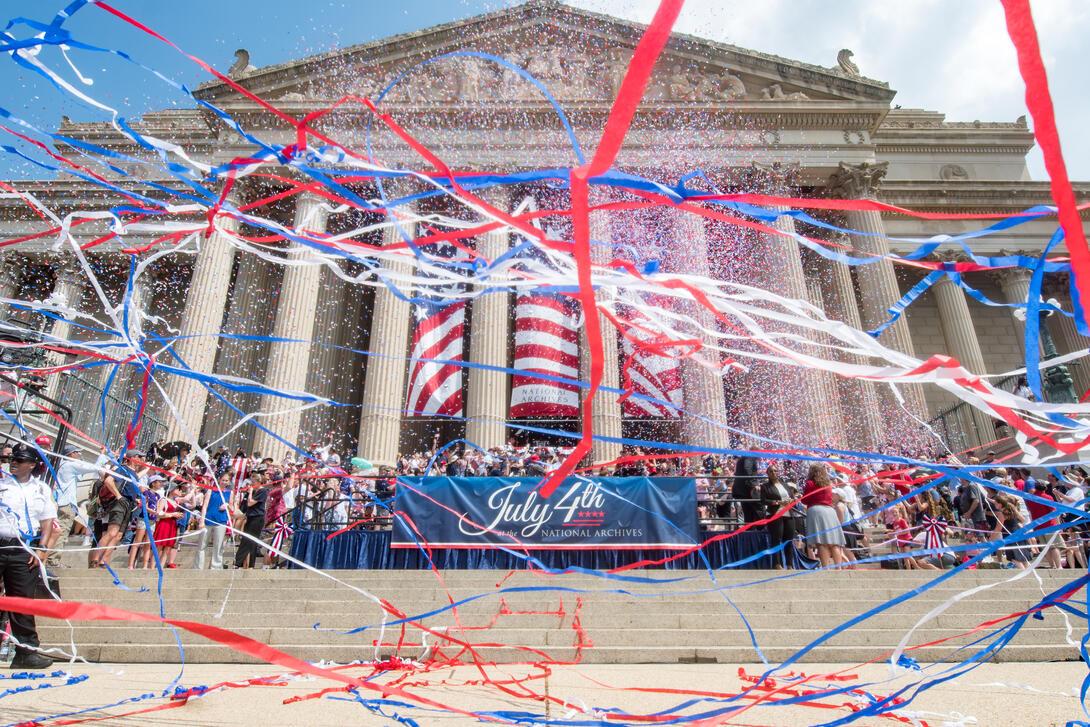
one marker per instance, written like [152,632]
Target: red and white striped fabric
[241,467]
[546,342]
[436,388]
[651,374]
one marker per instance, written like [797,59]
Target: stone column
[962,344]
[829,412]
[702,388]
[606,417]
[486,400]
[199,336]
[1014,285]
[384,387]
[860,398]
[325,371]
[877,281]
[350,384]
[9,283]
[254,295]
[295,313]
[70,285]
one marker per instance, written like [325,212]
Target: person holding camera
[26,510]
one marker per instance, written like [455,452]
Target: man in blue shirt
[215,514]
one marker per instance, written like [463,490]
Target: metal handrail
[957,423]
[86,400]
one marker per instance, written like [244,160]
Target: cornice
[584,21]
[973,196]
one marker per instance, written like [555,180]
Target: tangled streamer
[170,203]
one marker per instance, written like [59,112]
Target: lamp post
[1059,386]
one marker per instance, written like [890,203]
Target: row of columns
[300,313]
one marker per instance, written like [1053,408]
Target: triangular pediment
[577,55]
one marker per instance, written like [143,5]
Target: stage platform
[370,550]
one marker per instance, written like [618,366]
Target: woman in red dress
[166,529]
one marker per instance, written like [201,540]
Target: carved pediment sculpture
[241,67]
[732,88]
[681,85]
[844,60]
[775,92]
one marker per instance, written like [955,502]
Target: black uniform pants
[248,547]
[19,580]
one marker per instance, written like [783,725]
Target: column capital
[857,181]
[1006,277]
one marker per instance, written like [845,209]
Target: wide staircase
[678,617]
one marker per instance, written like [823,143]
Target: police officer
[26,509]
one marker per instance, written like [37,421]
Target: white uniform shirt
[68,477]
[24,506]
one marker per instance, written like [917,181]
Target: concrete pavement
[994,694]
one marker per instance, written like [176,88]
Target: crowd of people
[169,495]
[827,517]
[834,512]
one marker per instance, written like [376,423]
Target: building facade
[747,121]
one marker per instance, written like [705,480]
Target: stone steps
[655,625]
[215,654]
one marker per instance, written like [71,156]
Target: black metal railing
[960,429]
[103,415]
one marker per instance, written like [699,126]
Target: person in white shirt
[69,473]
[26,509]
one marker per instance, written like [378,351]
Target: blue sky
[951,57]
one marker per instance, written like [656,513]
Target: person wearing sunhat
[26,509]
[69,473]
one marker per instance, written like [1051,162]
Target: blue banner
[583,514]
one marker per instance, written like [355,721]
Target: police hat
[24,453]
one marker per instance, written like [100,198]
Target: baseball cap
[24,453]
[69,450]
[43,441]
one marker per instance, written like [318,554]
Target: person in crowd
[1039,510]
[69,473]
[1010,519]
[823,530]
[252,504]
[1073,494]
[276,515]
[901,538]
[168,516]
[27,510]
[774,498]
[144,520]
[117,494]
[972,507]
[746,488]
[216,511]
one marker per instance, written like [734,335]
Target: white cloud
[954,57]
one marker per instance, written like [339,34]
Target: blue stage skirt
[370,550]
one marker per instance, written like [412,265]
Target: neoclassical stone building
[747,120]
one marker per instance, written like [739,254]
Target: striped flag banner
[435,386]
[650,373]
[546,342]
